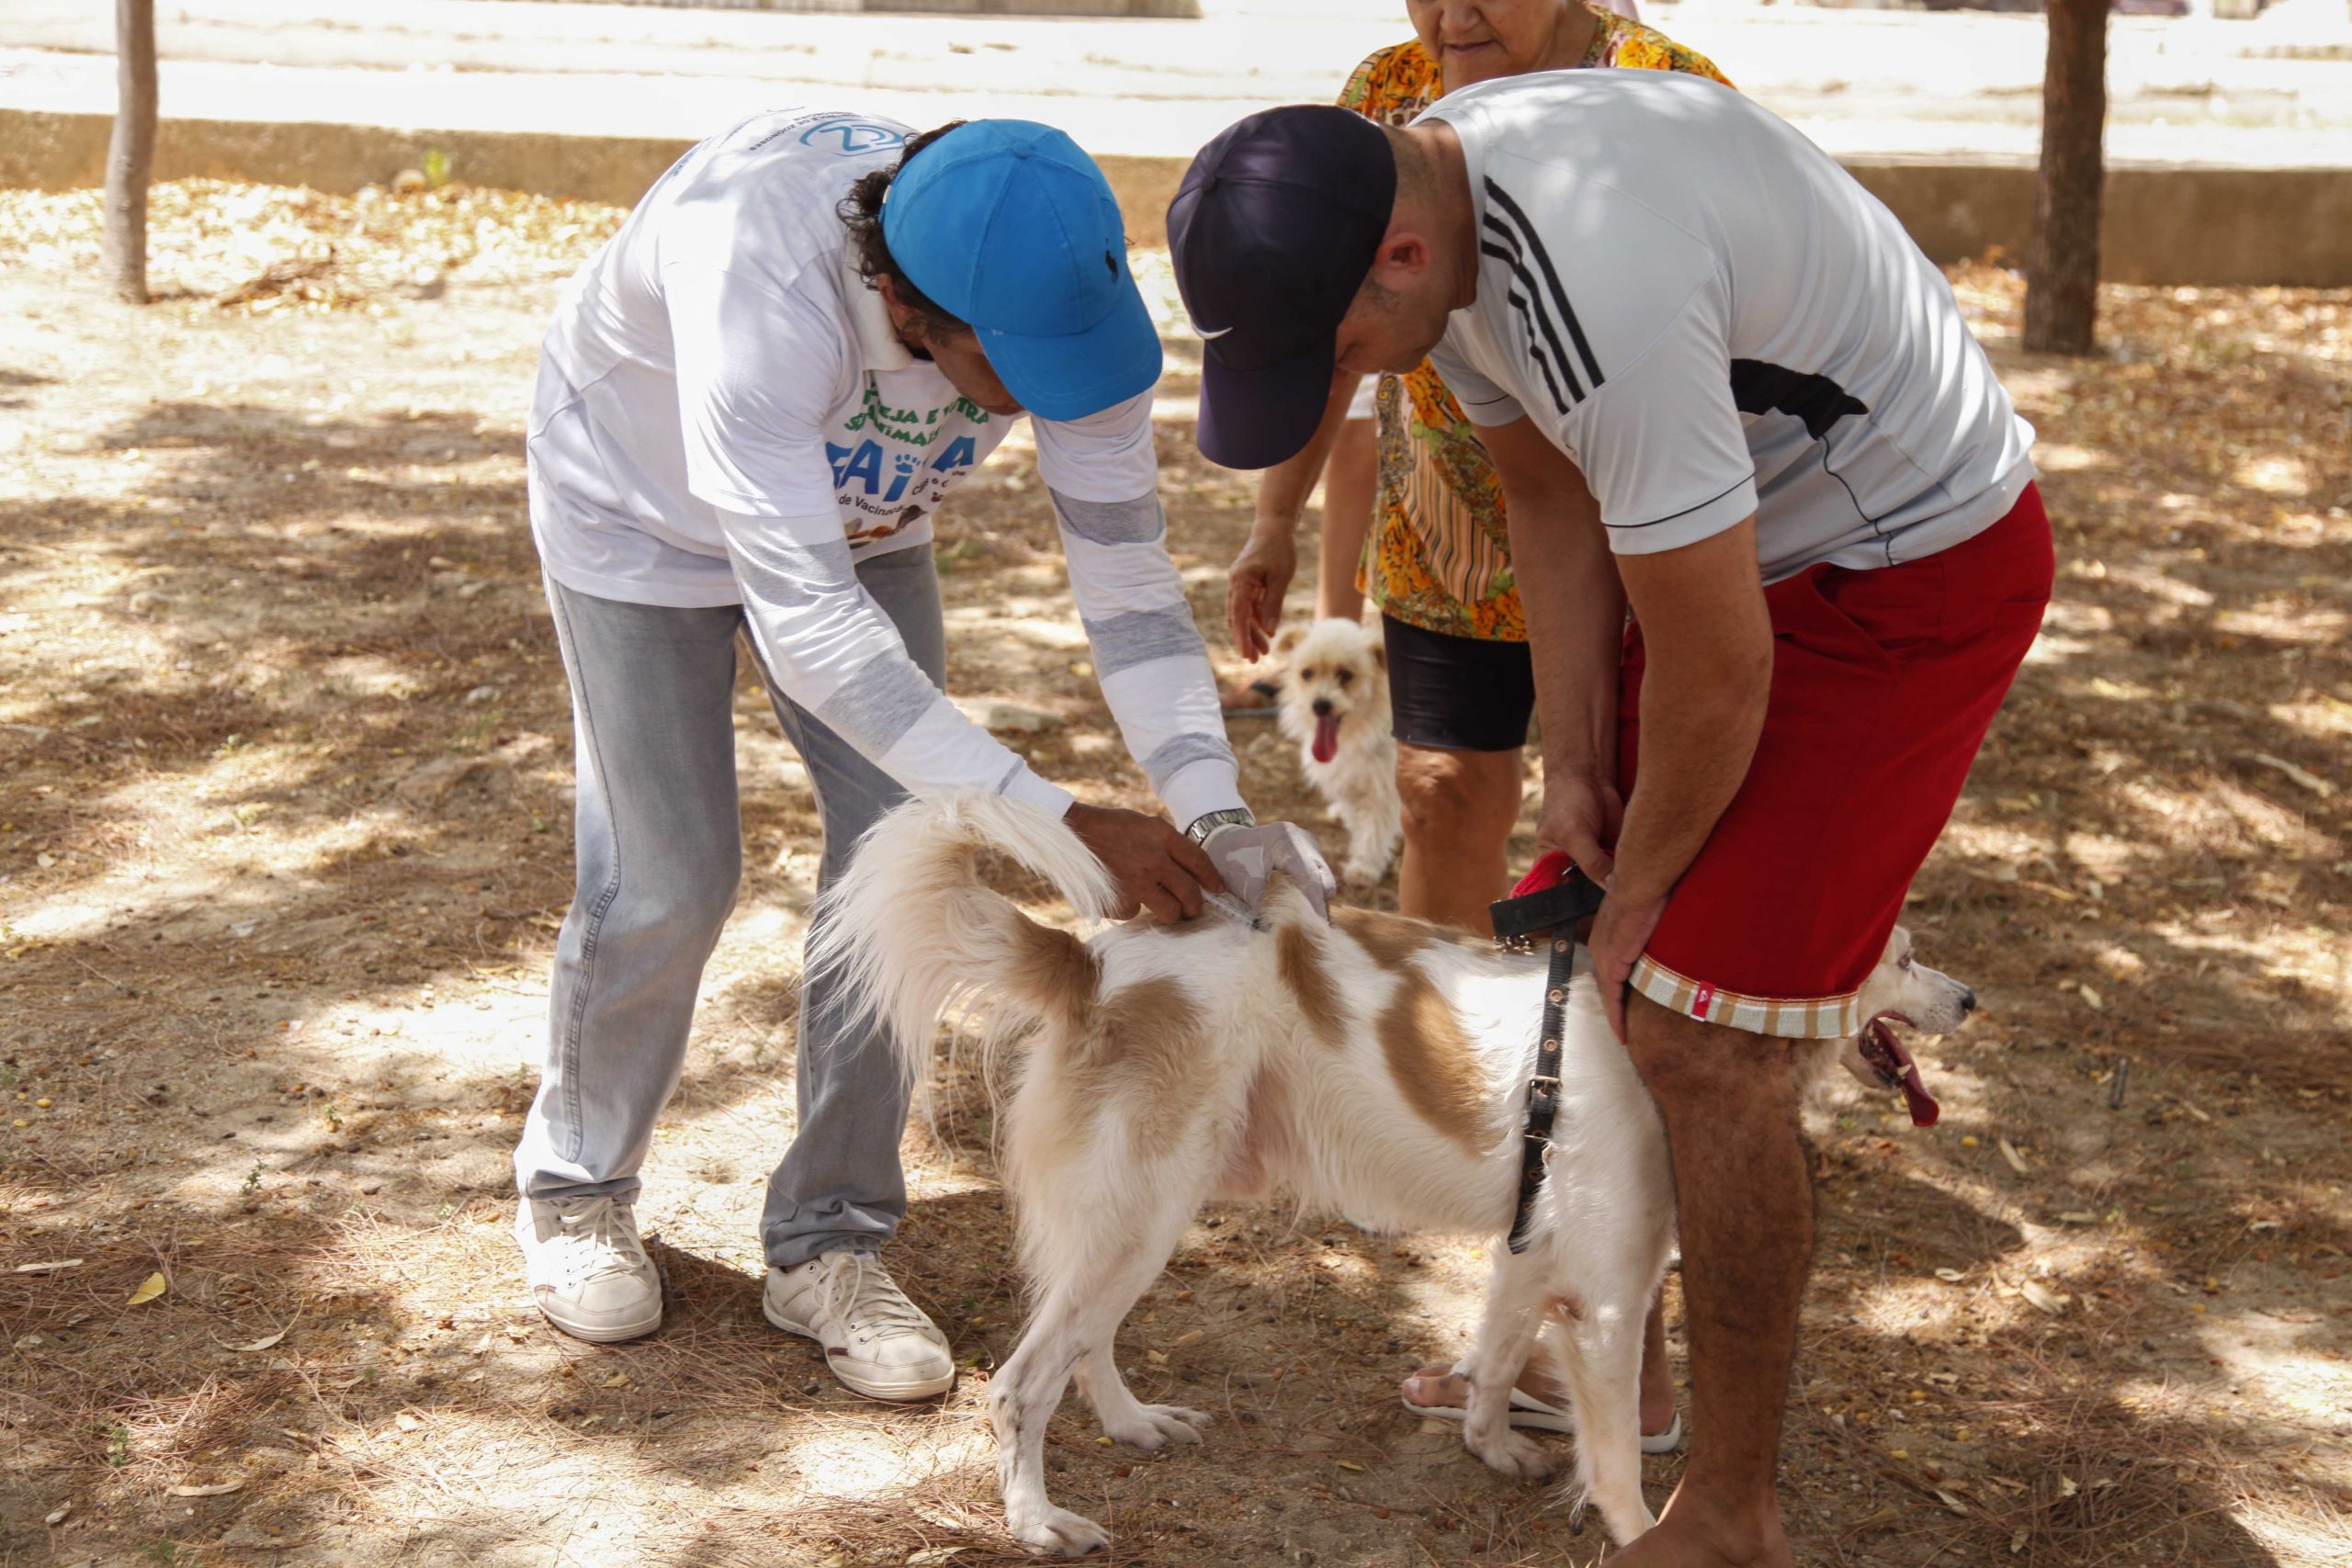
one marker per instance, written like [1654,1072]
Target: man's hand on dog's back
[1155,866]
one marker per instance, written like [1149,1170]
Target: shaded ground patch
[284,806]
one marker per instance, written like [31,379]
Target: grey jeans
[659,853]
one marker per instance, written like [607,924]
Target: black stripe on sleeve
[1535,352]
[1530,309]
[1534,245]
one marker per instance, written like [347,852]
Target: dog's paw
[1514,1453]
[1155,1426]
[1057,1532]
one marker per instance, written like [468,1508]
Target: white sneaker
[877,1341]
[589,1273]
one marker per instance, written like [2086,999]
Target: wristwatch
[1210,821]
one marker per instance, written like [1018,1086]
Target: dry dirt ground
[284,785]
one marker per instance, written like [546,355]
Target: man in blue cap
[749,407]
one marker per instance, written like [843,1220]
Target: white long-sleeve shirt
[725,416]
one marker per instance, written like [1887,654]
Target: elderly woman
[1438,565]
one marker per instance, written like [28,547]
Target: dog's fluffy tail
[913,934]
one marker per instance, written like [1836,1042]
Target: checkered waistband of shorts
[1788,1018]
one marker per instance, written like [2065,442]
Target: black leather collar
[1551,916]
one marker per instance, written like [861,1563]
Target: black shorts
[1457,694]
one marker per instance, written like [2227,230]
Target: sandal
[1528,1411]
[1266,694]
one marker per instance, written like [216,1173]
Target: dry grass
[284,773]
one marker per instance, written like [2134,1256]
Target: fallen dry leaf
[57,1516]
[1950,1276]
[1349,1464]
[52,1267]
[155,1286]
[2303,776]
[217,1489]
[2042,1297]
[2016,1161]
[408,1423]
[264,1343]
[933,1554]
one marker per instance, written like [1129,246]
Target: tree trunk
[131,154]
[2061,267]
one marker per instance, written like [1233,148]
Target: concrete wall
[2163,225]
[2158,225]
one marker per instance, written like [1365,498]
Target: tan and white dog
[1335,704]
[1377,1065]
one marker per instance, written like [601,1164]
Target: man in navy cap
[749,407]
[1720,385]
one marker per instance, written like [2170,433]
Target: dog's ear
[1290,636]
[1379,658]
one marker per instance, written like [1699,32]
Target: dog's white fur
[1376,1064]
[1340,669]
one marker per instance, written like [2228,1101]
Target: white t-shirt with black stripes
[1712,319]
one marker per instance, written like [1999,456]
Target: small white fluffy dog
[1377,1065]
[1335,704]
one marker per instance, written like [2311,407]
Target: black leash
[1519,921]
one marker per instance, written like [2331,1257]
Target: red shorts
[1883,682]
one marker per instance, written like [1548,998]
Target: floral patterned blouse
[1439,556]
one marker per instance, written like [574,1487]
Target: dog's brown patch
[1298,958]
[1433,1061]
[1142,1057]
[1390,939]
[1054,971]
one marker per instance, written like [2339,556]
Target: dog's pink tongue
[1925,1112]
[1326,737]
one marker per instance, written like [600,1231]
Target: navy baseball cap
[1008,225]
[1273,231]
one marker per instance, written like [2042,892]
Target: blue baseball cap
[1273,232]
[1008,225]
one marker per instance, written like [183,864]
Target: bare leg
[1350,483]
[1459,808]
[1743,1197]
